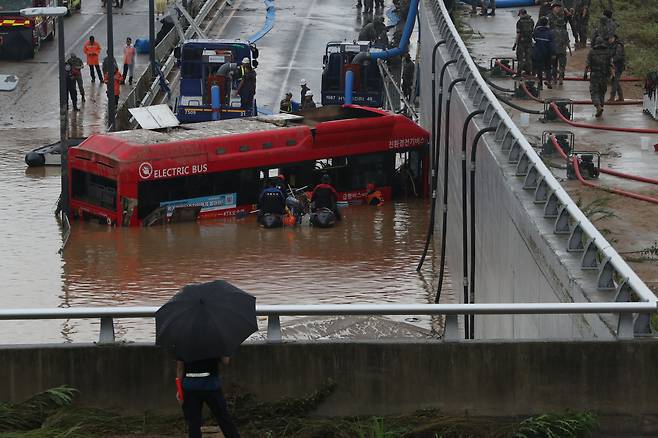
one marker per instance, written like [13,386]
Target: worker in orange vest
[93,51]
[118,79]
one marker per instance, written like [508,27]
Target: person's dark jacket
[248,84]
[324,196]
[272,200]
[543,49]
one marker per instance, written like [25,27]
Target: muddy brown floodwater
[370,257]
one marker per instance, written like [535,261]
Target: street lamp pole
[59,12]
[63,119]
[152,37]
[111,105]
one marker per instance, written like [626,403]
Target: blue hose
[406,34]
[270,15]
[349,86]
[214,101]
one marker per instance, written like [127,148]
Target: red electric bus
[143,177]
[21,37]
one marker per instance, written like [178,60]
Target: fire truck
[21,37]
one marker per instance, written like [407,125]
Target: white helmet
[302,82]
[245,60]
[309,94]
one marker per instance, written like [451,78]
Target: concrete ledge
[613,379]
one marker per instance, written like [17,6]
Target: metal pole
[152,37]
[111,106]
[63,119]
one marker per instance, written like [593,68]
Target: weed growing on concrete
[31,413]
[596,210]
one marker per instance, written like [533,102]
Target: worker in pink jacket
[128,61]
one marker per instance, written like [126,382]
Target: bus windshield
[14,5]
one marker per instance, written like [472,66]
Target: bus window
[243,183]
[94,189]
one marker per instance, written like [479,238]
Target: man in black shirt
[200,384]
[247,87]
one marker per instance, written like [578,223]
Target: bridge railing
[625,330]
[580,236]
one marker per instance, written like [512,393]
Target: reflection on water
[370,257]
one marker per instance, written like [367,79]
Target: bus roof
[137,145]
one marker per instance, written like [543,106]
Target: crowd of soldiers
[541,49]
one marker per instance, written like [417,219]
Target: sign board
[217,59]
[154,117]
[8,82]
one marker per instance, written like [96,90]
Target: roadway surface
[627,223]
[369,258]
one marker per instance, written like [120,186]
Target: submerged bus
[368,82]
[218,168]
[21,37]
[201,64]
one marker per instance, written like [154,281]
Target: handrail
[275,311]
[507,130]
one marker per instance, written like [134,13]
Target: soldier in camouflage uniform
[599,66]
[544,7]
[618,55]
[557,22]
[523,44]
[569,8]
[582,22]
[606,27]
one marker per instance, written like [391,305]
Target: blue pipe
[349,86]
[214,101]
[406,34]
[270,15]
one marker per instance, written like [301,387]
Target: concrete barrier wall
[518,257]
[613,379]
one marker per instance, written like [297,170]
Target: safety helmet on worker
[246,60]
[302,82]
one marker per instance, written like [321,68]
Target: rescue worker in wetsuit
[325,196]
[271,200]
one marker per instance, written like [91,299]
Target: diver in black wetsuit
[271,201]
[325,196]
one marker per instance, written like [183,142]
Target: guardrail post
[107,330]
[273,329]
[451,329]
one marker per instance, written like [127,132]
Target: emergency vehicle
[368,82]
[21,37]
[204,63]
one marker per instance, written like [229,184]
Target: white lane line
[235,9]
[72,46]
[300,37]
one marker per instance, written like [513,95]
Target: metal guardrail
[147,87]
[274,312]
[388,78]
[580,235]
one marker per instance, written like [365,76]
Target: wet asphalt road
[369,258]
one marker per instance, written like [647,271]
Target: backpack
[525,26]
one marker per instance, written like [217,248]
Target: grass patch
[638,28]
[50,415]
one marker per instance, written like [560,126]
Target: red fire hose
[601,127]
[570,78]
[583,181]
[609,189]
[580,102]
[604,170]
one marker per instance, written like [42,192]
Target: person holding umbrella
[204,324]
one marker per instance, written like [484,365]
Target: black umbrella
[205,321]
